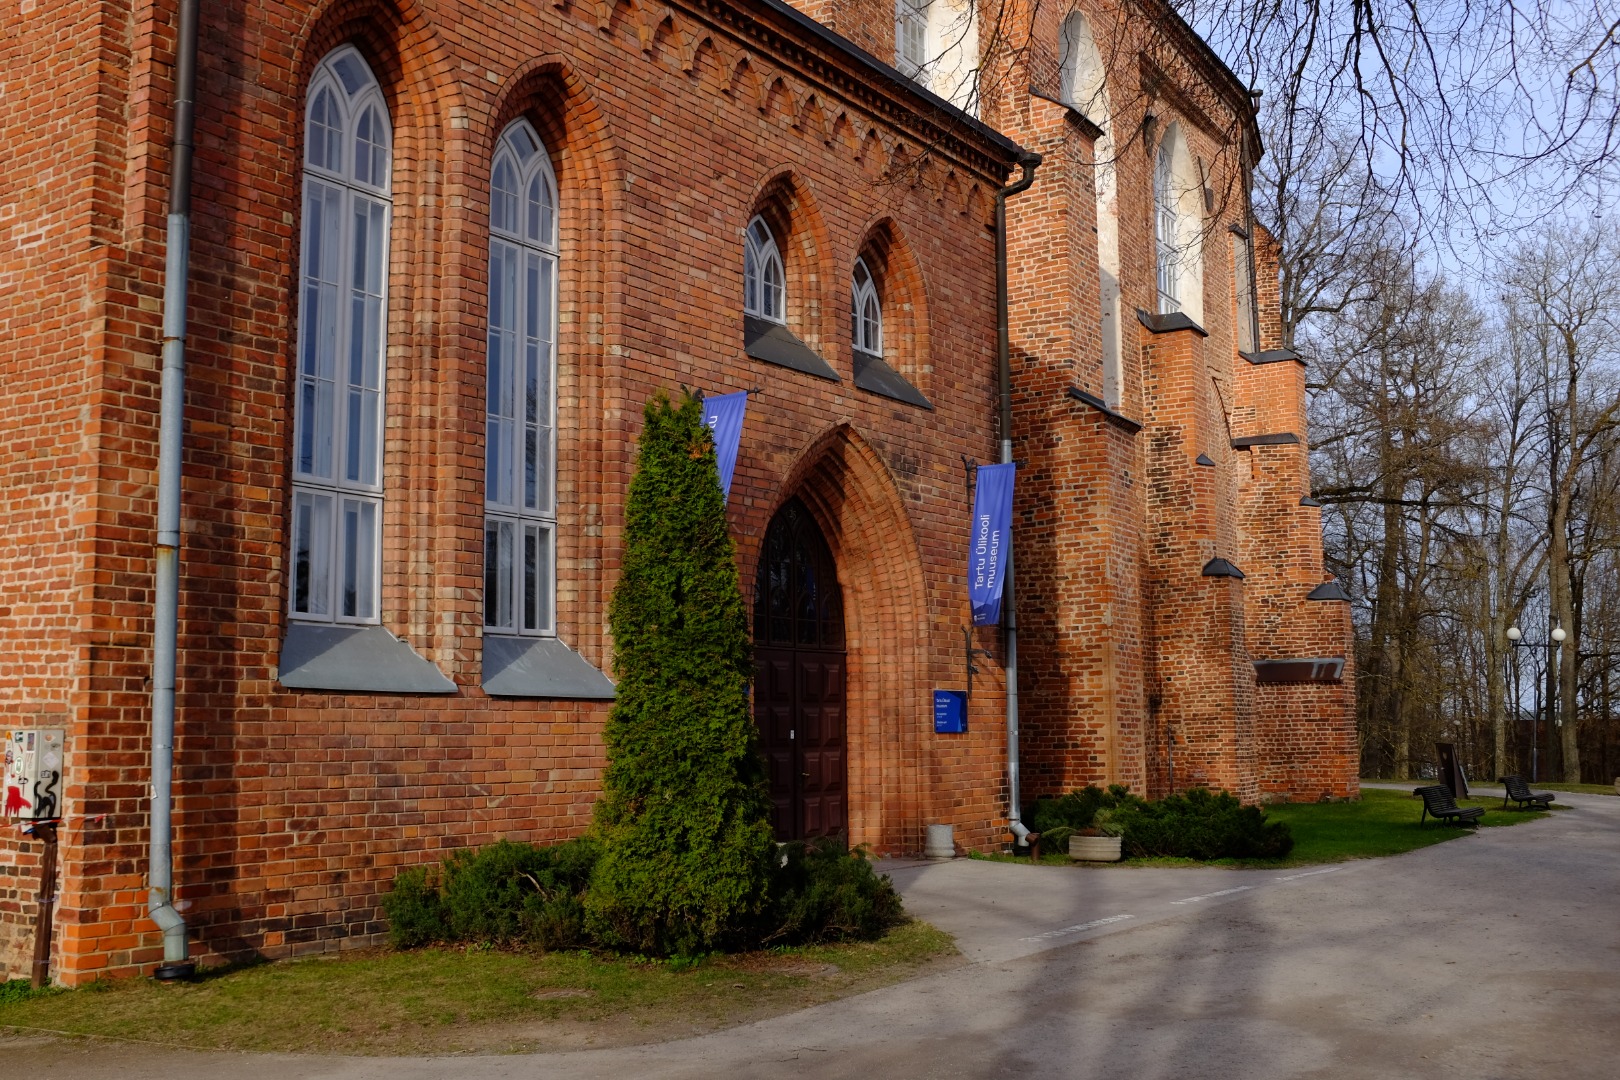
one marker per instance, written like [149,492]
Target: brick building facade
[343,710]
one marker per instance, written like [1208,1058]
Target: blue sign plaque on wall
[950,712]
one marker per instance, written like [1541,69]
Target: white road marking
[1092,925]
[1212,895]
[1308,873]
[1081,928]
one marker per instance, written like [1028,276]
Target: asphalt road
[1493,957]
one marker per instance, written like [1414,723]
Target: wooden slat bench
[1439,804]
[1519,792]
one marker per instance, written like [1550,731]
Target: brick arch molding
[904,291]
[784,198]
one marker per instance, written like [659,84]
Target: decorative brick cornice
[785,33]
[1157,83]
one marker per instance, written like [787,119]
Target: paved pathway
[1493,957]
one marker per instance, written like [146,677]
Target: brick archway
[852,496]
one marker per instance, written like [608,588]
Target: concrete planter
[941,842]
[1095,848]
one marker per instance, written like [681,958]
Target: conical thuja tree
[683,813]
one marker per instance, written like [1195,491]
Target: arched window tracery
[520,511]
[337,501]
[865,311]
[764,281]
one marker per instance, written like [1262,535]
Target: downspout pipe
[166,584]
[1009,609]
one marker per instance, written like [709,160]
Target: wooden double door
[799,678]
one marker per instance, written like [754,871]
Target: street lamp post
[1515,638]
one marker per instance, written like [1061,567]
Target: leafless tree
[1564,301]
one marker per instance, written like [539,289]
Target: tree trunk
[1495,691]
[1385,636]
[1558,574]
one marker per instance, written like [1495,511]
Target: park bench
[1439,804]
[1519,792]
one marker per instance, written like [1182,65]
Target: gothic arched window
[520,509]
[1180,200]
[865,312]
[764,283]
[1166,231]
[342,322]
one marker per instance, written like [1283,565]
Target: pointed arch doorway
[799,677]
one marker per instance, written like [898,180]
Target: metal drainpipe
[166,606]
[1009,609]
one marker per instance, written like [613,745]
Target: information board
[950,712]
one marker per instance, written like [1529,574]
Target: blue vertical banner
[724,415]
[990,548]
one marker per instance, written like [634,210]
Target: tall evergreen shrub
[687,843]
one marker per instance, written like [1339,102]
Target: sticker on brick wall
[33,775]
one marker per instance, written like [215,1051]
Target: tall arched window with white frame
[764,282]
[1167,231]
[337,503]
[865,312]
[520,507]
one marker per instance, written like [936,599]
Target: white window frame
[911,38]
[338,422]
[865,311]
[764,279]
[520,448]
[1167,230]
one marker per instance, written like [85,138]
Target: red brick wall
[1125,642]
[65,313]
[1305,734]
[295,808]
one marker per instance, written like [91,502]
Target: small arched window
[865,312]
[764,283]
[520,511]
[342,322]
[1167,231]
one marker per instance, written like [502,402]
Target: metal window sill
[540,667]
[873,373]
[365,659]
[776,344]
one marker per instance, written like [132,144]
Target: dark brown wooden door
[799,677]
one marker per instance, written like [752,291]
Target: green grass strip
[441,1001]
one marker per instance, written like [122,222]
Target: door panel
[799,677]
[774,716]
